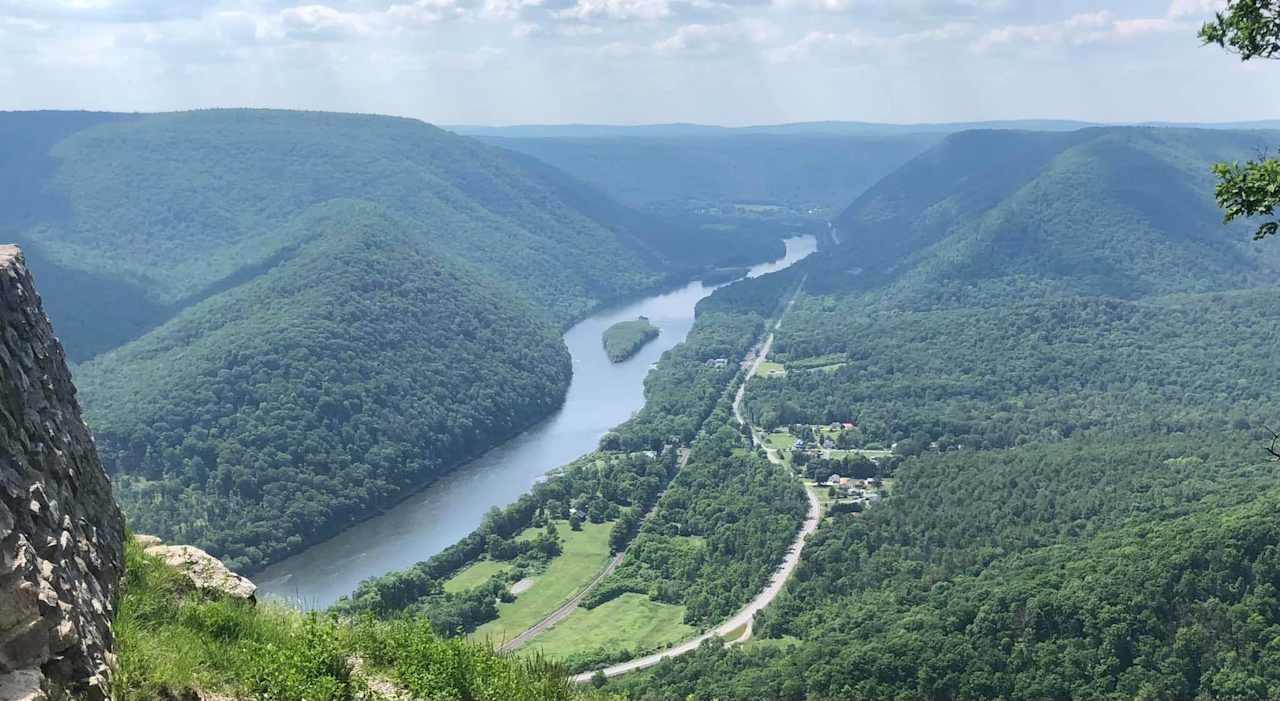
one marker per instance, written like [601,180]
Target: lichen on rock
[206,572]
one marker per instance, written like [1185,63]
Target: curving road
[746,615]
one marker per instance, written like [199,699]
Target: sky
[730,62]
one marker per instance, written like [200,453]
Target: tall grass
[172,641]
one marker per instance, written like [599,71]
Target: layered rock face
[61,533]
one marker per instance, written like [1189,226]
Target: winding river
[601,395]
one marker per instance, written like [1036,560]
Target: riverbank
[738,628]
[601,395]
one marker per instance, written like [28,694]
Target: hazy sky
[634,61]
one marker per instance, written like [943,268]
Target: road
[746,616]
[571,605]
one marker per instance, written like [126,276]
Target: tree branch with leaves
[1250,29]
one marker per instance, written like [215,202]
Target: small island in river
[625,338]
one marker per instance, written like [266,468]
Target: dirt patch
[521,586]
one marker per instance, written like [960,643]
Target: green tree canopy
[1250,28]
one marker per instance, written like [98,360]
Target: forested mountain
[1073,362]
[1121,212]
[183,205]
[696,171]
[287,319]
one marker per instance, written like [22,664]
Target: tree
[1251,29]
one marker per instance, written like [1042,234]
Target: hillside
[1123,212]
[173,208]
[797,172]
[267,416]
[268,305]
[1072,364]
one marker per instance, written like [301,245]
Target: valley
[377,350]
[601,395]
[1013,358]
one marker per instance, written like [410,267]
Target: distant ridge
[684,130]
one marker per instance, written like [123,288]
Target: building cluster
[866,492]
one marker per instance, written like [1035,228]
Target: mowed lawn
[473,576]
[585,553]
[771,369]
[631,621]
[782,440]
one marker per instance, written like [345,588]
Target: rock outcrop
[61,533]
[207,573]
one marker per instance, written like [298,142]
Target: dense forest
[268,416]
[1114,569]
[1073,364]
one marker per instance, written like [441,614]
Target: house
[798,444]
[828,444]
[834,480]
[718,363]
[848,425]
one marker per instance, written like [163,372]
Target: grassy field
[869,454]
[585,553]
[771,369]
[631,621]
[473,576]
[782,440]
[828,368]
[767,643]
[822,492]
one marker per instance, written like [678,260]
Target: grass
[584,554]
[822,492]
[172,641]
[869,454]
[474,575]
[781,440]
[734,633]
[771,369]
[771,643]
[629,622]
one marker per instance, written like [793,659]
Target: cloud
[908,11]
[708,40]
[1081,29]
[1198,9]
[106,10]
[431,11]
[616,9]
[322,23]
[866,47]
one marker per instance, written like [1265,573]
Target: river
[601,395]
